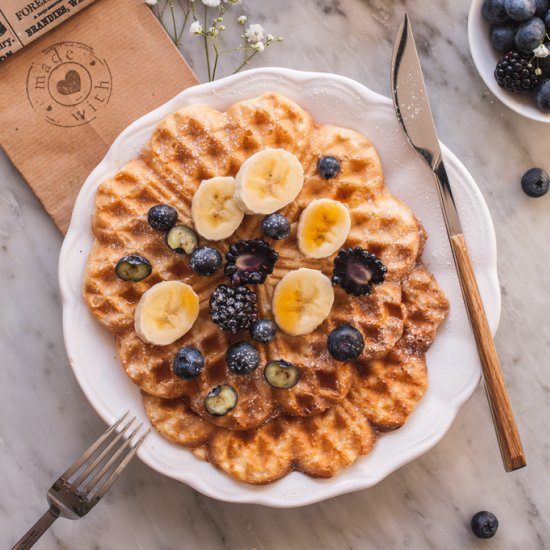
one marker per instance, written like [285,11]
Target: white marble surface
[45,421]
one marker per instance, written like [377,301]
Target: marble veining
[45,420]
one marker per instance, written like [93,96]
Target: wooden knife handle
[497,394]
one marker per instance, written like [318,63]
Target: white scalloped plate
[453,364]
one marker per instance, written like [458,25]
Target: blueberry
[547,20]
[133,268]
[530,34]
[494,11]
[520,10]
[544,65]
[503,36]
[188,363]
[276,226]
[205,260]
[484,525]
[328,167]
[345,343]
[542,95]
[281,374]
[263,331]
[242,358]
[535,182]
[221,400]
[542,7]
[162,217]
[182,239]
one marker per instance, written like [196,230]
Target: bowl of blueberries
[510,45]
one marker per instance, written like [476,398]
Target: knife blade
[414,114]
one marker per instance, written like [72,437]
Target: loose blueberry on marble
[162,217]
[503,36]
[542,7]
[263,330]
[242,358]
[188,363]
[520,10]
[530,34]
[535,182]
[345,343]
[328,167]
[276,226]
[182,239]
[542,96]
[494,11]
[205,260]
[484,525]
[133,268]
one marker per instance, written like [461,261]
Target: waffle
[334,413]
[384,392]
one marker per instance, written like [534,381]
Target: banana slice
[215,212]
[302,301]
[166,312]
[323,228]
[268,180]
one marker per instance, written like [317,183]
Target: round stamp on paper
[69,84]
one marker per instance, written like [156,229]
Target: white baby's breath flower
[258,47]
[222,27]
[151,2]
[541,51]
[241,20]
[213,31]
[211,3]
[269,38]
[254,33]
[195,28]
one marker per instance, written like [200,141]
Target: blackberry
[356,270]
[516,73]
[233,309]
[250,261]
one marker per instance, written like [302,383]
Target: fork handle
[497,394]
[37,530]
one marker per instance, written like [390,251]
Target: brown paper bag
[65,97]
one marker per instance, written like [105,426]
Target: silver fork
[83,485]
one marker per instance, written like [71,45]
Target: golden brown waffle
[384,392]
[197,143]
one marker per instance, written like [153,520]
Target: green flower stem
[175,30]
[216,60]
[245,62]
[206,48]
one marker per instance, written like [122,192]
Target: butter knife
[415,117]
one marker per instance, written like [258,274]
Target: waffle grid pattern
[334,413]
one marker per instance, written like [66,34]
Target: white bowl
[453,363]
[485,59]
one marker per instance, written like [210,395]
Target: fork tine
[88,452]
[116,473]
[91,484]
[91,467]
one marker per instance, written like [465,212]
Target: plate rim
[331,487]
